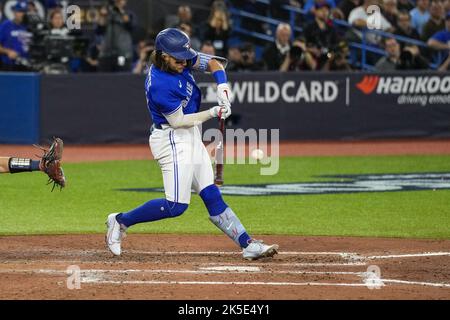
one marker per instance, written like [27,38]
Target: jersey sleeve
[167,101]
[194,61]
[439,36]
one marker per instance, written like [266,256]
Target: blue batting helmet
[175,43]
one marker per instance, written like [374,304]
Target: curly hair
[157,59]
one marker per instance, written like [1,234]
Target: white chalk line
[245,283]
[95,251]
[260,283]
[271,263]
[96,276]
[432,284]
[179,271]
[291,253]
[295,264]
[412,255]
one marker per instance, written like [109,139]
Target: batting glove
[224,95]
[220,111]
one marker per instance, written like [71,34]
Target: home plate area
[58,267]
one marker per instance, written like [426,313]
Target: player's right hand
[220,111]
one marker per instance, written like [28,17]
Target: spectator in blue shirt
[441,40]
[420,15]
[14,39]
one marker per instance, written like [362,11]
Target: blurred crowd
[29,42]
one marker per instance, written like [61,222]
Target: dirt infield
[209,267]
[83,153]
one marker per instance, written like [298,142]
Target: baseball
[257,154]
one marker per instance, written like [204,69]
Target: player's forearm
[16,165]
[4,167]
[4,50]
[437,45]
[214,65]
[180,120]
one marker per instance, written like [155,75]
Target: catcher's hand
[51,163]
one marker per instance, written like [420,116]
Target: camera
[49,50]
[295,52]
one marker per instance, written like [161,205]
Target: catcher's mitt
[50,163]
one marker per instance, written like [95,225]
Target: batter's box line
[88,273]
[258,283]
[349,256]
[92,277]
[290,264]
[97,276]
[293,253]
[95,251]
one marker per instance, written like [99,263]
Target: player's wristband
[22,165]
[203,60]
[220,76]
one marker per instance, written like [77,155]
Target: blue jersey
[168,92]
[442,36]
[15,37]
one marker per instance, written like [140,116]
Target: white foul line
[432,284]
[245,283]
[260,283]
[201,271]
[412,255]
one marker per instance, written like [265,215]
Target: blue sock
[152,210]
[244,240]
[212,198]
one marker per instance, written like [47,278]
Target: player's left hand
[224,95]
[51,163]
[222,112]
[225,111]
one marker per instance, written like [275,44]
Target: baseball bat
[218,178]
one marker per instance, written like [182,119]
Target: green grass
[28,207]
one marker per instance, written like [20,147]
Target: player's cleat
[257,249]
[115,233]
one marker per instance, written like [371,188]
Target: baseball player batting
[173,100]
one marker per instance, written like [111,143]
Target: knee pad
[176,209]
[213,200]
